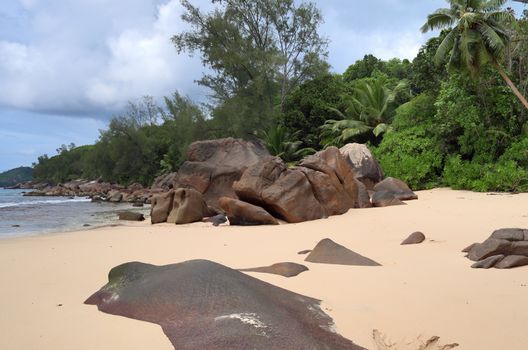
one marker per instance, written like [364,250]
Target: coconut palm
[366,112]
[478,35]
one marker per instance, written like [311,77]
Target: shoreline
[420,291]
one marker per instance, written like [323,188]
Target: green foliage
[15,176]
[412,155]
[503,176]
[258,52]
[311,105]
[367,110]
[281,143]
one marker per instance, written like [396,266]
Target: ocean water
[22,216]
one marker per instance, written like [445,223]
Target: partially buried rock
[398,188]
[385,199]
[287,269]
[489,248]
[130,216]
[200,305]
[488,263]
[245,214]
[329,252]
[512,261]
[414,238]
[304,252]
[217,220]
[468,248]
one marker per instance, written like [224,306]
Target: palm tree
[280,143]
[366,112]
[477,36]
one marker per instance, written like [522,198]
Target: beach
[420,291]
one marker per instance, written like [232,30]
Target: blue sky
[66,66]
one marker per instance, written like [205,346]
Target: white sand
[421,290]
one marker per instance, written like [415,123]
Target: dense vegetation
[453,116]
[15,176]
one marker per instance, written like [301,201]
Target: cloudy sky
[67,65]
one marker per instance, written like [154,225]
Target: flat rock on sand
[414,238]
[287,269]
[329,252]
[203,305]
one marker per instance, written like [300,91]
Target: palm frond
[494,42]
[441,18]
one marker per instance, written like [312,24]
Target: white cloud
[89,57]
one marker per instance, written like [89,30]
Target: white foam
[48,201]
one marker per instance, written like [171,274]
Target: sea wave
[48,201]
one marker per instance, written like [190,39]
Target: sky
[67,66]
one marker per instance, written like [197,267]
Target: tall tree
[257,50]
[478,35]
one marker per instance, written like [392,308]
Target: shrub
[412,156]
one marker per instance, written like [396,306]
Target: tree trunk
[512,85]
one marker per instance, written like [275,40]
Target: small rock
[130,216]
[137,205]
[414,238]
[287,269]
[15,225]
[87,225]
[512,261]
[329,252]
[303,252]
[488,262]
[217,220]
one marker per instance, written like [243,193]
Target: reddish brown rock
[245,214]
[130,216]
[164,182]
[188,206]
[212,166]
[161,206]
[398,188]
[287,269]
[414,238]
[329,252]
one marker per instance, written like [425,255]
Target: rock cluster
[240,179]
[504,249]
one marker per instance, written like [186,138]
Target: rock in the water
[114,196]
[512,261]
[488,263]
[287,269]
[203,305]
[245,214]
[385,199]
[364,164]
[138,205]
[188,206]
[398,188]
[329,252]
[161,207]
[414,238]
[130,216]
[489,248]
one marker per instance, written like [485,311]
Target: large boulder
[164,182]
[398,188]
[161,206]
[245,214]
[212,166]
[188,206]
[322,185]
[364,164]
